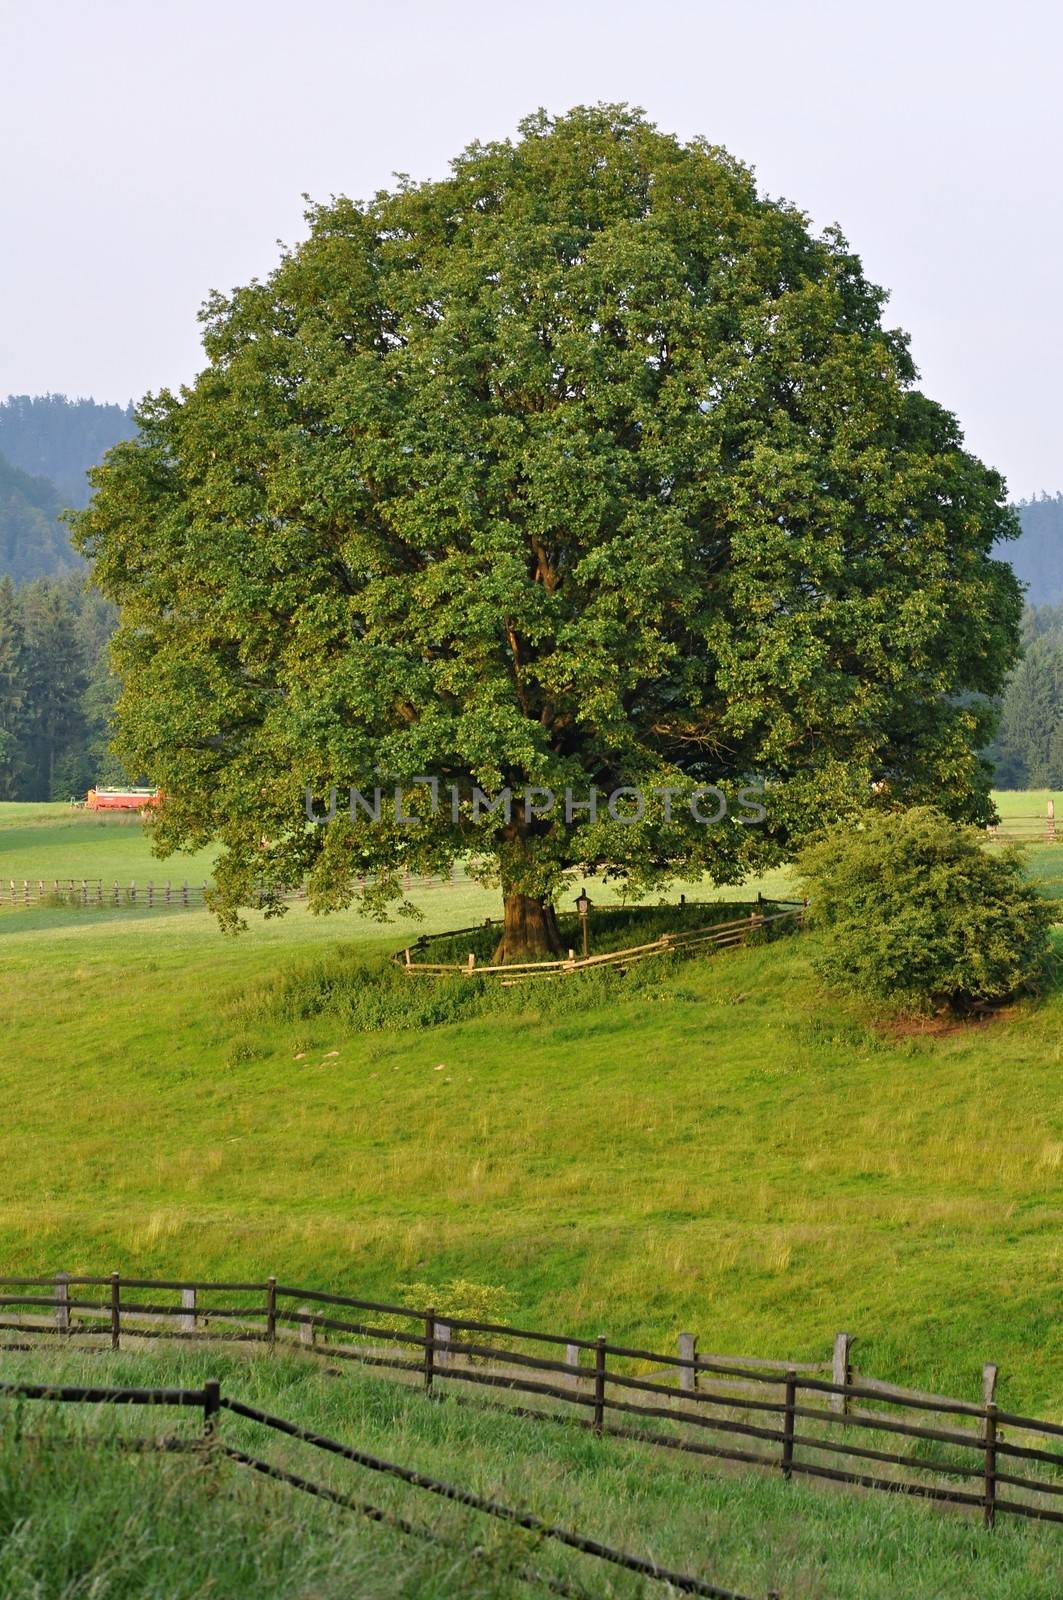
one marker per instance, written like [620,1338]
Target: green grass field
[730,1151]
[81,1521]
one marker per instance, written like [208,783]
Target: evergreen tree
[55,683]
[12,689]
[1031,723]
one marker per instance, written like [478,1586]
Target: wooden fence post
[443,1357]
[599,1383]
[990,1511]
[688,1351]
[271,1310]
[307,1330]
[572,1360]
[788,1423]
[211,1407]
[989,1382]
[429,1351]
[184,892]
[187,1323]
[62,1298]
[116,1305]
[1050,820]
[841,1370]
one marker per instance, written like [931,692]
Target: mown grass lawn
[732,1151]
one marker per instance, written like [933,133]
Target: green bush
[916,911]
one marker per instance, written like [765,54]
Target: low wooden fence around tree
[212,1447]
[819,1420]
[762,921]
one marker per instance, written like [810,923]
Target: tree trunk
[529,931]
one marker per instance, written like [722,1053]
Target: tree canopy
[586,465]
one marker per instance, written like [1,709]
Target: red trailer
[121,799]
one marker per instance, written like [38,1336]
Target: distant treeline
[47,445]
[1028,750]
[56,689]
[52,437]
[1037,556]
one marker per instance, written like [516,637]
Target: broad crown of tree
[586,465]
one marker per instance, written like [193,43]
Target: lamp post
[583,906]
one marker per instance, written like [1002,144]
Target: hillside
[33,542]
[1038,555]
[727,1148]
[54,437]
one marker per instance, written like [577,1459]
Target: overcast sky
[152,152]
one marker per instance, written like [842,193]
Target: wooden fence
[210,1402]
[718,935]
[143,896]
[818,1420]
[1029,827]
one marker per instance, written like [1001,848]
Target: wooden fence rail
[144,895]
[814,1419]
[1029,828]
[718,935]
[210,1402]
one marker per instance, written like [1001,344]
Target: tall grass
[79,1521]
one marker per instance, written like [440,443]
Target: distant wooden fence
[210,1402]
[718,935]
[1028,828]
[143,896]
[805,1418]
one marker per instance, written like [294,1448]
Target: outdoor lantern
[583,906]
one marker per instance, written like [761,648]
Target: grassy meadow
[725,1148]
[75,1520]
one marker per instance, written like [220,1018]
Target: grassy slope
[1024,803]
[54,841]
[75,1522]
[740,1155]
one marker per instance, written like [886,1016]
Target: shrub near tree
[913,910]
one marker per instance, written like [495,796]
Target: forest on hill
[56,689]
[51,436]
[33,542]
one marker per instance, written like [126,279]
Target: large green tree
[586,465]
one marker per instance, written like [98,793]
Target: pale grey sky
[150,153]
